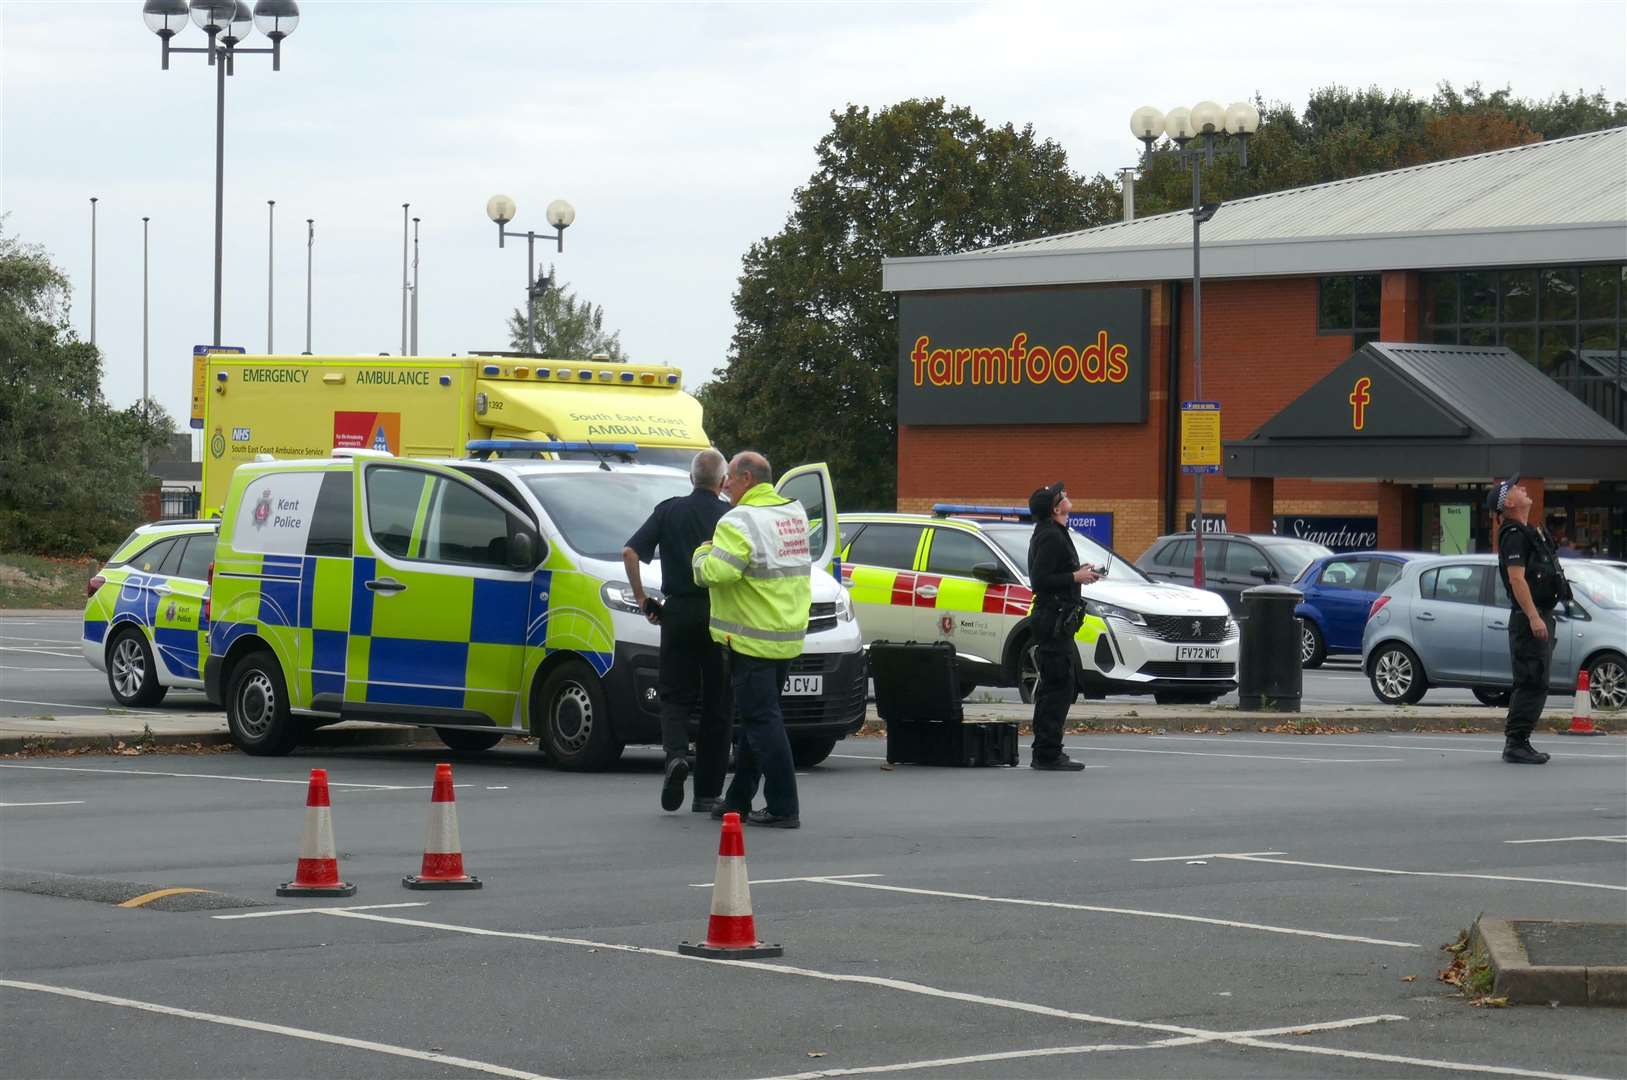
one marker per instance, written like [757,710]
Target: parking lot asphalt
[42,671]
[1246,905]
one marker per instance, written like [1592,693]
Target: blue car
[1339,590]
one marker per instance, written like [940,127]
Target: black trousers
[762,749]
[693,681]
[1053,695]
[1531,660]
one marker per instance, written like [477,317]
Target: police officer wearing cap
[691,675]
[1529,566]
[1055,575]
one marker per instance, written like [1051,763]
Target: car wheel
[806,753]
[1397,676]
[1607,681]
[1489,695]
[132,675]
[457,739]
[572,721]
[1027,670]
[1313,648]
[257,707]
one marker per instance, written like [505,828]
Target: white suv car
[914,577]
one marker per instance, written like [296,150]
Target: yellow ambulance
[251,408]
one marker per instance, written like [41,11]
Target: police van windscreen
[1013,540]
[598,512]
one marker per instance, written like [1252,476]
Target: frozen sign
[275,515]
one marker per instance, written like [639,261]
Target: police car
[960,575]
[144,620]
[482,598]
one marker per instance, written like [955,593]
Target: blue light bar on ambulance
[549,446]
[951,509]
[491,369]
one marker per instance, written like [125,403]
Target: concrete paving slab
[1552,962]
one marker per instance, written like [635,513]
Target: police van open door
[811,486]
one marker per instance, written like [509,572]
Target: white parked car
[931,578]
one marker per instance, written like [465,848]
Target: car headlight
[844,606]
[618,596]
[1113,611]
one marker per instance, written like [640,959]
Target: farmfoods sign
[1023,356]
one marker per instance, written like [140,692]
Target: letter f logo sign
[1359,398]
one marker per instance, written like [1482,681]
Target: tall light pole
[271,254]
[145,393]
[228,23]
[310,242]
[93,270]
[415,286]
[560,214]
[1216,130]
[406,286]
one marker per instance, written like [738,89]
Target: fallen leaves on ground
[1311,727]
[1409,978]
[1490,1003]
[816,1053]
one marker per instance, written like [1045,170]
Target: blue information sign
[1099,527]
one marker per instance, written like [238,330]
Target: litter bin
[1268,672]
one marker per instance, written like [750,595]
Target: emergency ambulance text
[1098,362]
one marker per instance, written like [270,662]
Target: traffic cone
[442,867]
[1582,710]
[731,933]
[317,873]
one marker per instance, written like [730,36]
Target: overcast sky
[679,131]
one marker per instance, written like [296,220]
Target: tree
[70,465]
[566,328]
[811,366]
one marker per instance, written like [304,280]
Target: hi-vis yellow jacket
[757,570]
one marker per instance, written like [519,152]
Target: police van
[144,623]
[482,598]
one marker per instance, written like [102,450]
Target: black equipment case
[918,697]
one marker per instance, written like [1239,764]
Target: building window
[1568,322]
[1349,305]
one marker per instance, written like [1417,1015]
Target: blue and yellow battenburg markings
[173,624]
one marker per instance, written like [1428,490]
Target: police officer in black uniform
[691,662]
[1529,565]
[1055,575]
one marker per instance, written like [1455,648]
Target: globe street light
[226,24]
[560,214]
[1209,129]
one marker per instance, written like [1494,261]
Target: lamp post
[228,23]
[93,270]
[560,214]
[271,255]
[414,286]
[310,242]
[1199,133]
[145,394]
[406,285]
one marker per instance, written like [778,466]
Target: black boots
[1521,752]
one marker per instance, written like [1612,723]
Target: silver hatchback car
[1444,622]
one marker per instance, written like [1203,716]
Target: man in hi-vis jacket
[757,569]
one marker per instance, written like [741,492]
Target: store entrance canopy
[1400,411]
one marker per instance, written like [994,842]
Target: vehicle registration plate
[1197,652]
[803,686]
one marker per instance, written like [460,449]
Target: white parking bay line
[1360,746]
[1257,757]
[881,757]
[37,640]
[1020,902]
[1255,857]
[65,705]
[276,1029]
[303,780]
[314,910]
[60,654]
[64,802]
[1568,839]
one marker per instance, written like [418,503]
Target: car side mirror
[1264,573]
[992,573]
[522,550]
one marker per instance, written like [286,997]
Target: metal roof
[1564,200]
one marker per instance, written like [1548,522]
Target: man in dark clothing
[1055,575]
[691,663]
[1529,567]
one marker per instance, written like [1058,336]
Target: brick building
[1006,382]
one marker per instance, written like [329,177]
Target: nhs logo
[241,434]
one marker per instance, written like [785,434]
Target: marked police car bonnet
[1043,499]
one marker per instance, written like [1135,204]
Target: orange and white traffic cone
[442,867]
[731,933]
[317,872]
[1582,710]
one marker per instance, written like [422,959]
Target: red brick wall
[1261,350]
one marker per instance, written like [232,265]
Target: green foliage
[566,328]
[71,466]
[811,369]
[1343,132]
